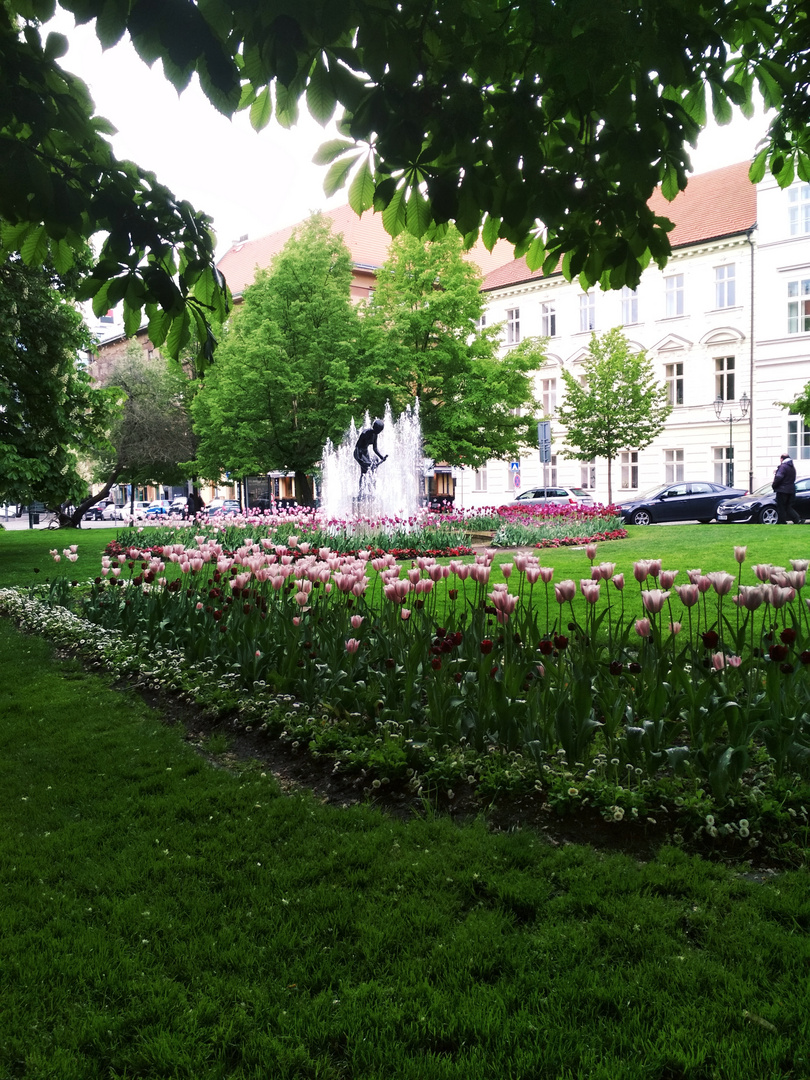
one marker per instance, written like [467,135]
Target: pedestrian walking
[784,484]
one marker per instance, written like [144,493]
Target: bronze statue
[366,442]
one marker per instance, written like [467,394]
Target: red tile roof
[364,236]
[715,204]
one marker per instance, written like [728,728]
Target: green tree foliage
[151,433]
[425,342]
[619,406]
[286,367]
[50,415]
[490,114]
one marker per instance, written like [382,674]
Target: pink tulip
[357,621]
[688,594]
[352,645]
[733,661]
[590,590]
[643,627]
[618,581]
[718,661]
[641,570]
[565,590]
[405,614]
[739,554]
[694,576]
[506,569]
[653,600]
[721,581]
[532,574]
[655,567]
[750,597]
[800,564]
[590,551]
[546,573]
[704,583]
[674,628]
[667,578]
[763,571]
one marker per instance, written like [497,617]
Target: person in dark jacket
[784,484]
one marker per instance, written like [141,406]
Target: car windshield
[649,494]
[766,489]
[580,493]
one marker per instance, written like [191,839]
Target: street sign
[544,440]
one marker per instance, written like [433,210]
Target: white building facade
[726,324]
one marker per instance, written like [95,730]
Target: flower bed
[427,533]
[597,692]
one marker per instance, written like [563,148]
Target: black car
[695,501]
[760,505]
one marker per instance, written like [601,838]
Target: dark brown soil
[296,770]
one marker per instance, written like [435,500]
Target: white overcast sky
[248,182]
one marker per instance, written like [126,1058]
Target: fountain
[391,488]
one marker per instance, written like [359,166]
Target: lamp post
[719,404]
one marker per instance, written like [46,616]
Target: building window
[724,378]
[480,479]
[673,286]
[673,466]
[482,322]
[587,312]
[629,306]
[725,287]
[799,306]
[674,380]
[548,389]
[799,210]
[588,475]
[630,469]
[724,465]
[548,319]
[798,442]
[513,326]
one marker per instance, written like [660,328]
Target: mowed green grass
[163,917]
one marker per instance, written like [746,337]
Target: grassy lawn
[162,916]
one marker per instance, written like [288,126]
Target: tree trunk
[73,520]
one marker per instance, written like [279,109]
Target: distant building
[729,315]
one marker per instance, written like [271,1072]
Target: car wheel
[769,515]
[641,517]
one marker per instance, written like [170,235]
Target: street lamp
[719,404]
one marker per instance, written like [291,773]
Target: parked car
[178,504]
[221,507]
[96,512]
[158,508]
[540,495]
[760,505]
[121,512]
[691,501]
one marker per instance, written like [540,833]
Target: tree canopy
[50,415]
[617,406]
[425,341]
[284,379]
[547,122]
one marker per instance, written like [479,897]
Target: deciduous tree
[617,406]
[285,373]
[426,342]
[51,417]
[151,434]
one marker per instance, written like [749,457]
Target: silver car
[541,495]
